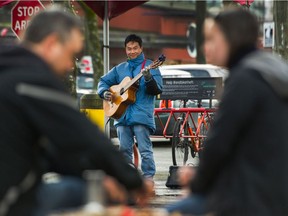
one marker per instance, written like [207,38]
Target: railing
[187,113]
[189,130]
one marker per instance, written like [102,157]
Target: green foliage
[92,41]
[92,46]
[281,28]
[70,80]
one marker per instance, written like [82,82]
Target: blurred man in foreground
[41,129]
[243,169]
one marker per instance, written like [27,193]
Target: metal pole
[106,38]
[200,17]
[106,51]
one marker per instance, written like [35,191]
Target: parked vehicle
[181,71]
[186,71]
[84,85]
[193,70]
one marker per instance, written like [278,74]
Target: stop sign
[22,12]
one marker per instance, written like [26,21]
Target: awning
[115,8]
[4,2]
[244,2]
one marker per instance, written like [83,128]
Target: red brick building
[162,25]
[163,30]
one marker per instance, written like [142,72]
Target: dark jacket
[244,168]
[42,130]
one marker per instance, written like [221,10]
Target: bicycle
[187,137]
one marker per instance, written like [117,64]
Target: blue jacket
[140,112]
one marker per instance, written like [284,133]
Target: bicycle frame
[204,113]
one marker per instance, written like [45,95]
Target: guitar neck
[155,64]
[135,79]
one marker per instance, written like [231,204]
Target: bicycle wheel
[179,144]
[205,126]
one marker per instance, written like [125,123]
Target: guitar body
[119,103]
[124,93]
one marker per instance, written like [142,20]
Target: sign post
[21,13]
[191,88]
[86,65]
[268,34]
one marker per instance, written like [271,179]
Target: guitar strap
[143,65]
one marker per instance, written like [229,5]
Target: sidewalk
[163,160]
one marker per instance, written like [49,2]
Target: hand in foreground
[114,190]
[143,195]
[185,175]
[117,193]
[146,74]
[107,95]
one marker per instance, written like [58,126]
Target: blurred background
[170,27]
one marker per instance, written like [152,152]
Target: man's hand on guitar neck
[107,95]
[146,74]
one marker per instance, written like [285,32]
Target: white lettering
[17,26]
[27,11]
[21,25]
[36,9]
[24,11]
[30,11]
[19,12]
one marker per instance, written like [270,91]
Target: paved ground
[164,195]
[163,159]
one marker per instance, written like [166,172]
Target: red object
[115,8]
[4,2]
[22,12]
[4,32]
[175,113]
[244,2]
[163,104]
[135,155]
[127,211]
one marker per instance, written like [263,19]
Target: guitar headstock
[161,59]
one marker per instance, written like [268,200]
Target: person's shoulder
[243,72]
[12,51]
[116,69]
[263,62]
[121,65]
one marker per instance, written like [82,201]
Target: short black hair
[52,20]
[134,38]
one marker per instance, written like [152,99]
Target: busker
[138,119]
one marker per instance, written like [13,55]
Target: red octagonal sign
[22,12]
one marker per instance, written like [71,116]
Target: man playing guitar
[137,119]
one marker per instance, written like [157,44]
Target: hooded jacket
[244,165]
[140,112]
[42,130]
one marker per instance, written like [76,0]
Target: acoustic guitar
[124,93]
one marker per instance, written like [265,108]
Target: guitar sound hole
[122,91]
